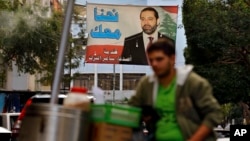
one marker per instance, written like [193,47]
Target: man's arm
[208,107]
[201,133]
[137,99]
[125,51]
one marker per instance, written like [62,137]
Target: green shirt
[167,128]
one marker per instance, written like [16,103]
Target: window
[105,81]
[130,81]
[84,80]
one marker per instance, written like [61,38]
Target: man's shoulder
[144,80]
[196,78]
[134,36]
[160,35]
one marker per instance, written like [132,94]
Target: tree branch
[229,61]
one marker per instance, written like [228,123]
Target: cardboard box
[109,132]
[117,114]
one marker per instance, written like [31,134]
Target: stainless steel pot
[46,122]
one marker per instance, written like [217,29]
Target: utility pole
[113,83]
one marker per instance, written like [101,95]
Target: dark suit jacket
[134,48]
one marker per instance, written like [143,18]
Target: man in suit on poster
[134,50]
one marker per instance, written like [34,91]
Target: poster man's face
[148,22]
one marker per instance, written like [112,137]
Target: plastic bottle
[78,98]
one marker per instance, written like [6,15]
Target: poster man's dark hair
[150,9]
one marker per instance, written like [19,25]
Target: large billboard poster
[120,34]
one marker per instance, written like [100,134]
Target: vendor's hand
[201,134]
[146,119]
[194,140]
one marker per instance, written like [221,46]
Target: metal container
[44,122]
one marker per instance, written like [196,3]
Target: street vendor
[182,103]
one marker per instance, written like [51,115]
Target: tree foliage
[30,38]
[8,5]
[218,44]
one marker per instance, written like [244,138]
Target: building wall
[17,81]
